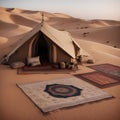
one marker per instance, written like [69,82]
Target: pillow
[34,61]
[16,65]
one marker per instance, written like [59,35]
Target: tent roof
[61,38]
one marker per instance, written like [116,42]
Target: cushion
[16,65]
[34,61]
[90,61]
[62,65]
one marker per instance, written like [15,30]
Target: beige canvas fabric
[61,38]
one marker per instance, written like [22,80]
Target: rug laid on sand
[40,69]
[108,69]
[54,94]
[99,79]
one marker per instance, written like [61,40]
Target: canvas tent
[51,45]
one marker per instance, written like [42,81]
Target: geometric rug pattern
[60,93]
[108,69]
[99,79]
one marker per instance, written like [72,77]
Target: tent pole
[42,18]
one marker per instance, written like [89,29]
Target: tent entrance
[41,48]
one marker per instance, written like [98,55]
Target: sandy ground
[14,105]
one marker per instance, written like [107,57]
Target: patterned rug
[99,79]
[109,69]
[41,69]
[60,93]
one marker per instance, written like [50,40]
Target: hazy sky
[86,9]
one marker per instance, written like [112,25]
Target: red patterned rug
[99,79]
[109,69]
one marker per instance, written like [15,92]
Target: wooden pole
[42,17]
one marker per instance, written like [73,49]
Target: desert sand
[99,39]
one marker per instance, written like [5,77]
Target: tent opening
[41,48]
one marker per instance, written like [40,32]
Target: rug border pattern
[95,83]
[108,74]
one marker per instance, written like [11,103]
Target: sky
[85,9]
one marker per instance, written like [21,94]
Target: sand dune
[103,23]
[98,47]
[62,15]
[108,35]
[14,10]
[9,29]
[23,21]
[32,15]
[5,16]
[7,26]
[68,24]
[29,12]
[3,40]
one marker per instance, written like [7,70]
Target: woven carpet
[99,79]
[40,69]
[60,93]
[109,69]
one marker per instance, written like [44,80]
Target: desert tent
[50,44]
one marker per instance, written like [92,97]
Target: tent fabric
[14,46]
[61,38]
